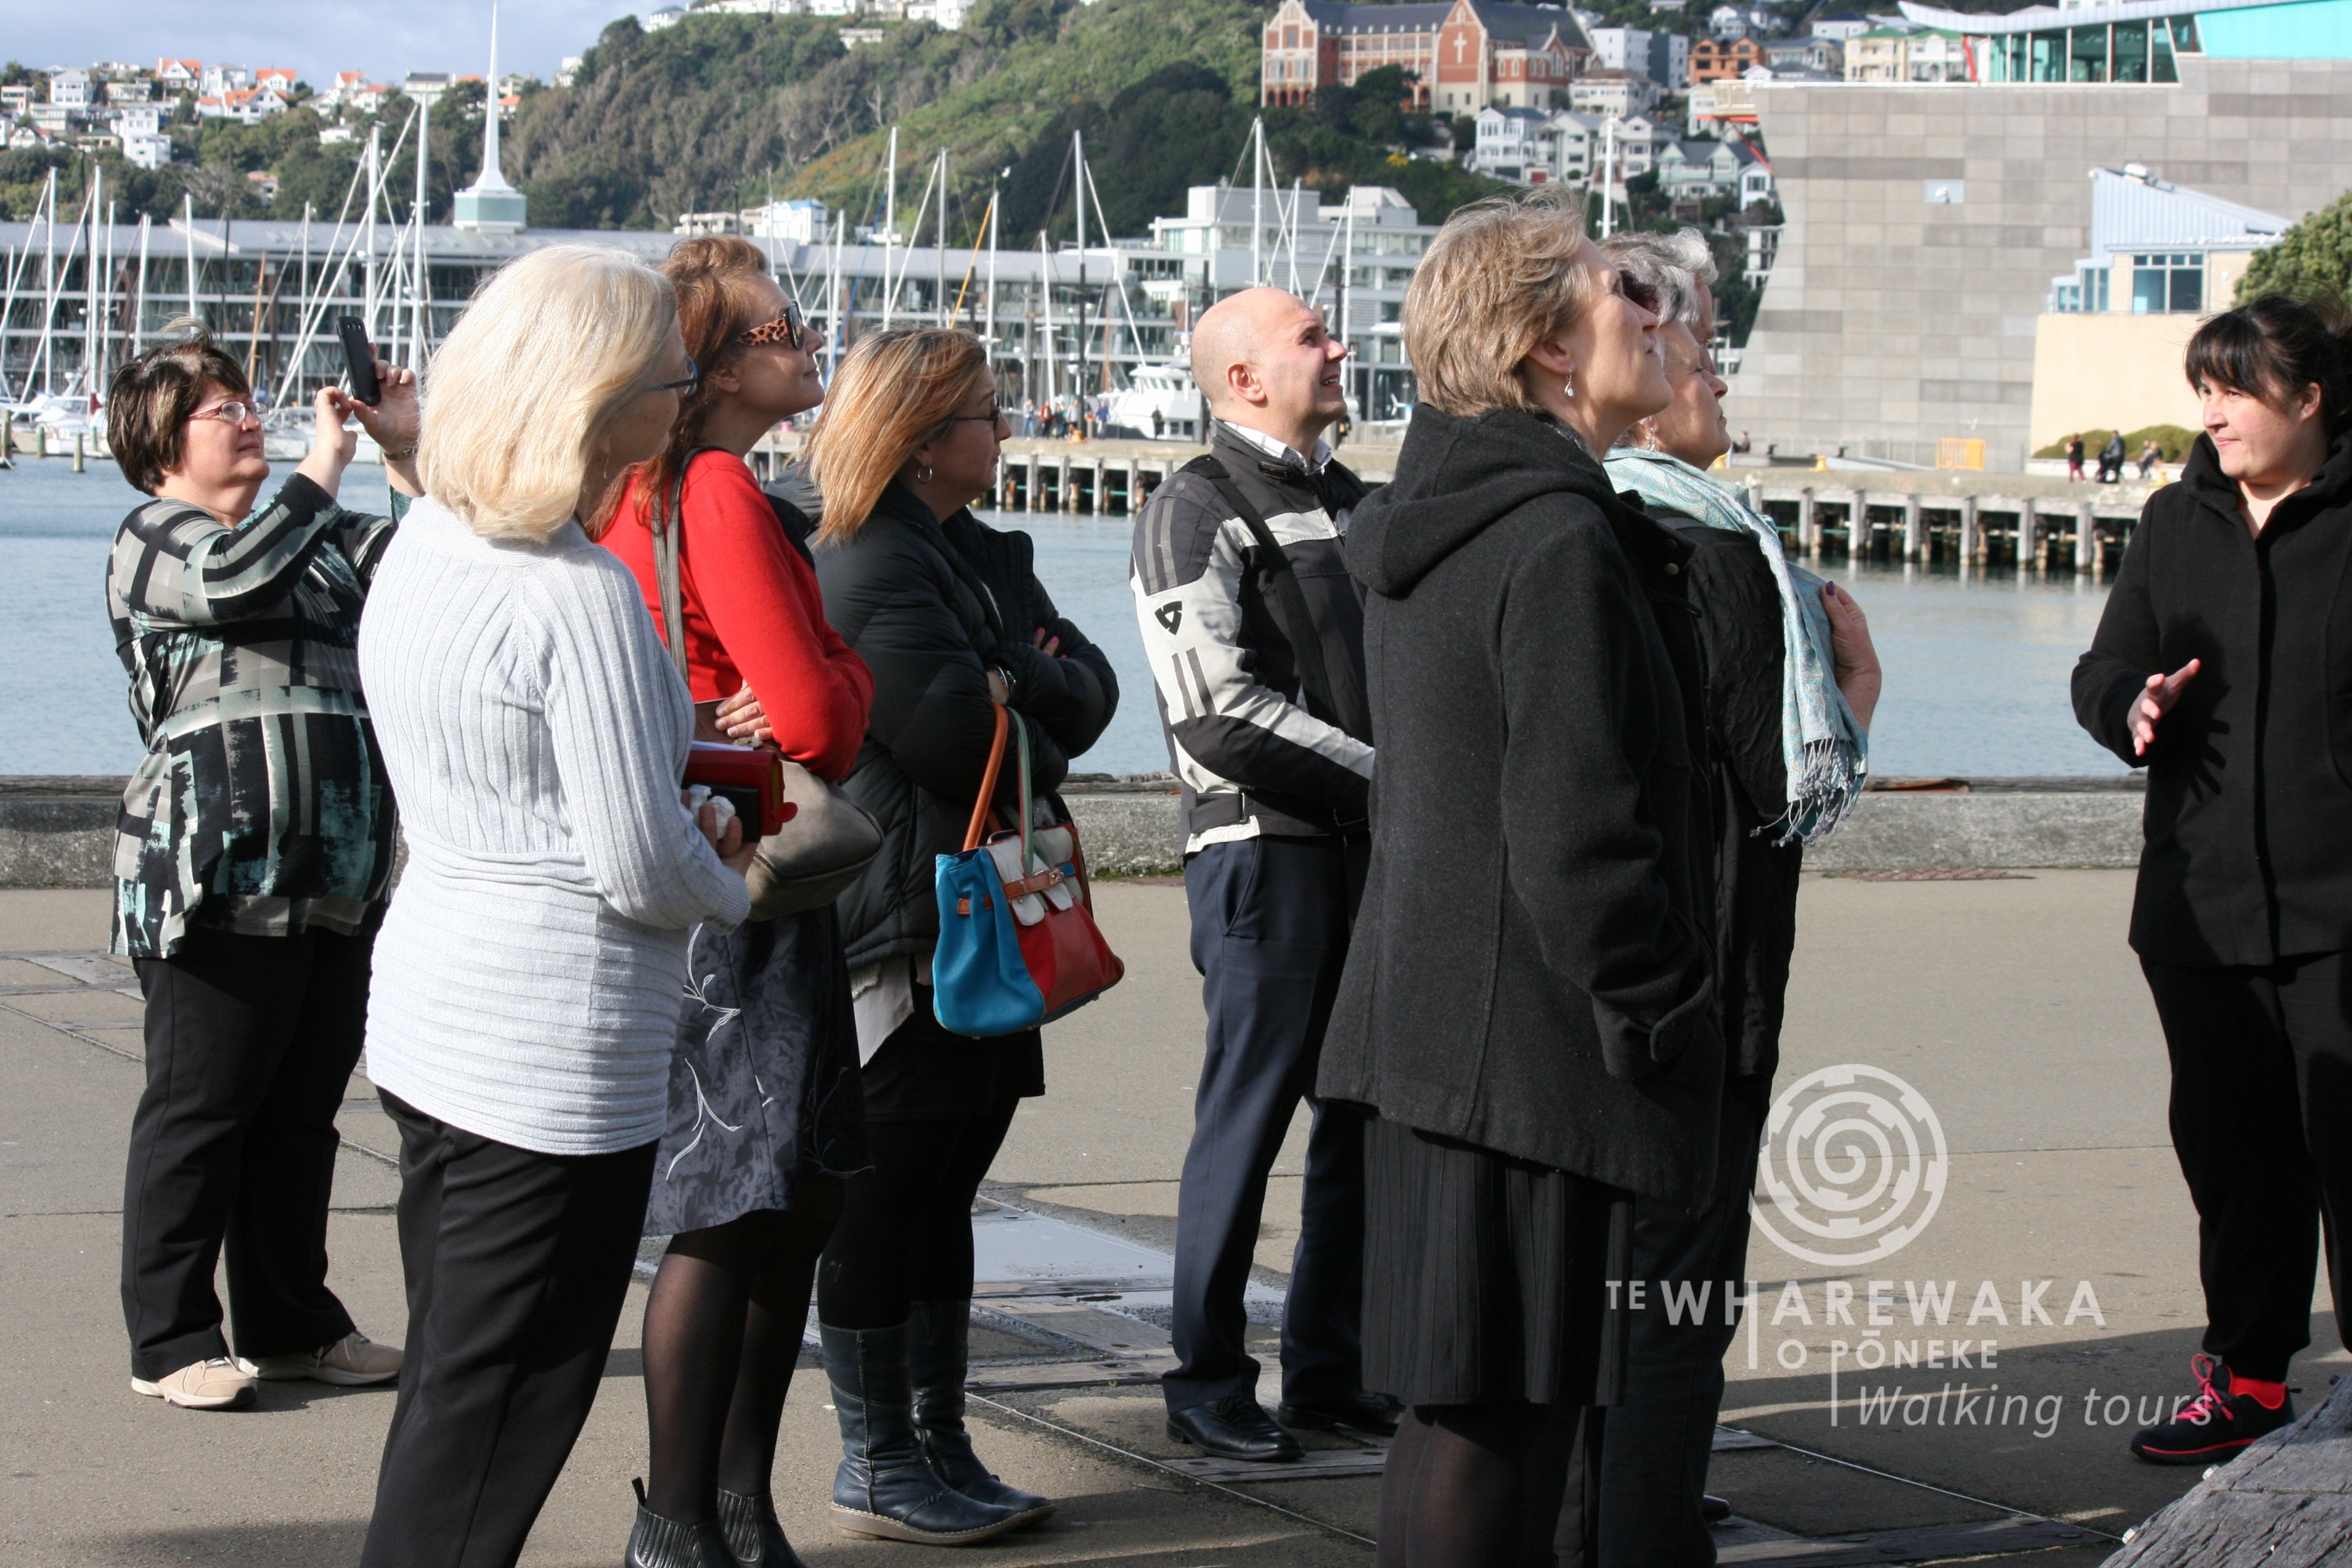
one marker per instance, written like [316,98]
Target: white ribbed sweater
[528,977]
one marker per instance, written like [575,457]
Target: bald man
[1255,637]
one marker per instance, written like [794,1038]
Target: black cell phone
[359,358]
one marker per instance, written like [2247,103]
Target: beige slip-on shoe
[354,1361]
[219,1384]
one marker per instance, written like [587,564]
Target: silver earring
[1570,387]
[922,474]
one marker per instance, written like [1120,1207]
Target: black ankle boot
[754,1534]
[885,1487]
[658,1543]
[939,1341]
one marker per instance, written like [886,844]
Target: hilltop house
[1696,169]
[1466,54]
[1711,60]
[1614,94]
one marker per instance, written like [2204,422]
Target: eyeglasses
[683,388]
[1641,294]
[233,411]
[785,328]
[1000,414]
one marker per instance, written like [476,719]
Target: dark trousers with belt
[1270,918]
[1653,1456]
[250,1043]
[2262,1121]
[517,1264]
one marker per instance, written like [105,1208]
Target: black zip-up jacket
[929,607]
[1531,970]
[1741,659]
[1244,740]
[2248,818]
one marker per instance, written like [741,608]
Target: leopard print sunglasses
[787,329]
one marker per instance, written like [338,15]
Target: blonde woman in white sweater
[529,975]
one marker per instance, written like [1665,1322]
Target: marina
[1978,656]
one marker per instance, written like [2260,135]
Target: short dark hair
[2273,348]
[151,397]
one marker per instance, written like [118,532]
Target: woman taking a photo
[252,852]
[950,616]
[2221,666]
[529,977]
[1528,1003]
[765,1117]
[1791,681]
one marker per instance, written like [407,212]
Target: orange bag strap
[988,780]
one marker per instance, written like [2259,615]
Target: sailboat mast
[367,224]
[1258,197]
[416,223]
[1078,156]
[988,306]
[889,223]
[139,300]
[189,210]
[939,260]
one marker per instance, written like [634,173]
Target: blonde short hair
[1500,277]
[895,392]
[542,363]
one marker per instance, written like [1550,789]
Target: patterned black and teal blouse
[262,806]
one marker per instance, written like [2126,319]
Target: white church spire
[490,205]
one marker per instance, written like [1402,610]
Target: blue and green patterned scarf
[1825,747]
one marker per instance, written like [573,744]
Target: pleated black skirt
[1484,1275]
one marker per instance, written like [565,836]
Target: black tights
[905,1224]
[723,1328]
[1462,1486]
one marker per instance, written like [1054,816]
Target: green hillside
[715,111]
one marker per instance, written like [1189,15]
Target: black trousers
[1270,921]
[517,1264]
[905,1233]
[250,1043]
[1657,1441]
[2262,1120]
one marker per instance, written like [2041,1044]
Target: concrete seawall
[57,831]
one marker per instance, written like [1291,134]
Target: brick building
[1467,54]
[1712,60]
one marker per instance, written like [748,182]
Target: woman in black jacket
[950,616]
[2223,664]
[1528,1003]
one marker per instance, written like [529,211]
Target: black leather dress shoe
[1234,1428]
[1372,1414]
[1712,1509]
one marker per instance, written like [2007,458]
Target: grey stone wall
[1890,322]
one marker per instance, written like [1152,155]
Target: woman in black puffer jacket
[951,618]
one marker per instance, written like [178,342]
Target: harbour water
[1976,666]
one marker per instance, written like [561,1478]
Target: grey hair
[1680,266]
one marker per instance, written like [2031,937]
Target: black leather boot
[754,1534]
[658,1543]
[938,1342]
[885,1487]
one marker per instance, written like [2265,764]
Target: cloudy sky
[386,39]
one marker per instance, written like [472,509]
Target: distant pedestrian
[2220,666]
[1158,425]
[530,974]
[2073,459]
[1528,1005]
[948,614]
[2111,458]
[1028,417]
[2150,454]
[1269,731]
[251,862]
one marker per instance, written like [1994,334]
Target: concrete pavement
[2010,1006]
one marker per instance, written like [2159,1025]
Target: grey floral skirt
[764,1090]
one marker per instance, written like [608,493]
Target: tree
[2314,257]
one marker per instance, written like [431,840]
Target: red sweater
[753,613]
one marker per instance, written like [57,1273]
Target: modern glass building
[2140,41]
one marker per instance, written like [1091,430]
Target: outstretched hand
[2155,701]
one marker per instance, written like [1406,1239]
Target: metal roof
[2130,213]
